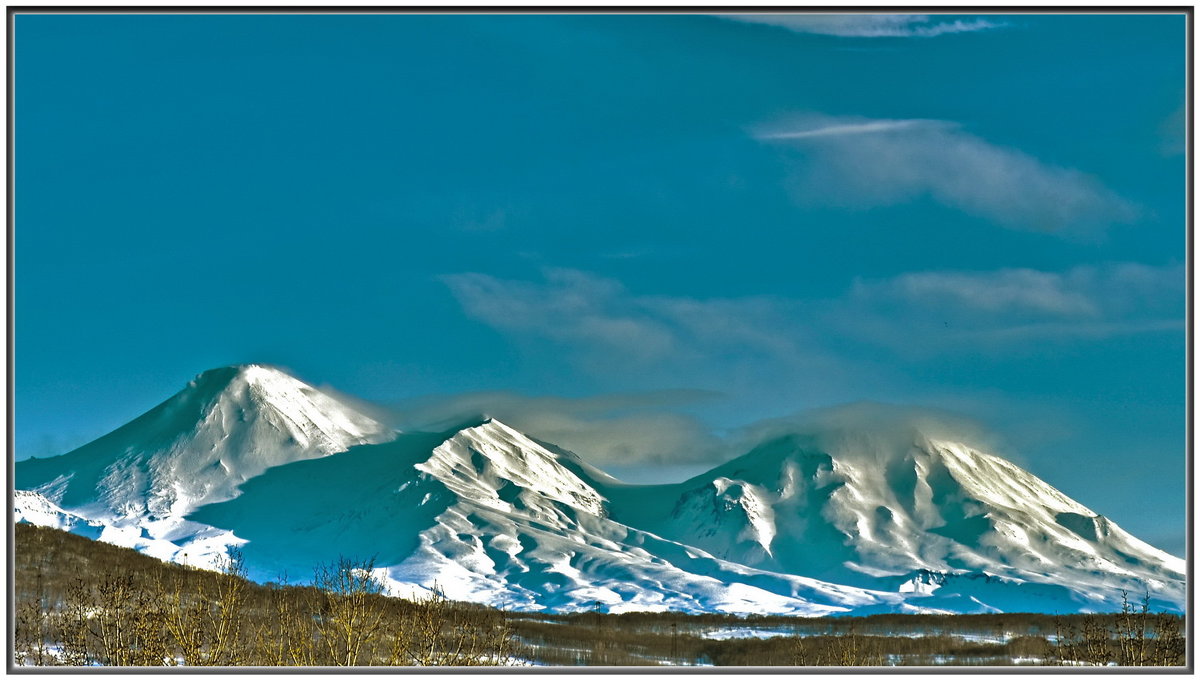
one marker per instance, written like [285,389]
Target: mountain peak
[481,461]
[241,368]
[309,415]
[493,424]
[256,374]
[228,425]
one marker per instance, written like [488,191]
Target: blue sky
[634,234]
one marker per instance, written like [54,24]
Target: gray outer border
[1187,10]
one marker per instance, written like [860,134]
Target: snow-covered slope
[35,509]
[486,513]
[926,516]
[227,426]
[489,514]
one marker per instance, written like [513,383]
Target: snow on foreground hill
[250,457]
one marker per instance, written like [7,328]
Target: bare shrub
[345,616]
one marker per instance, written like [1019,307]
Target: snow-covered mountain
[227,426]
[252,457]
[918,514]
[485,513]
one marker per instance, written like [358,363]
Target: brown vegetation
[1135,637]
[79,602]
[135,611]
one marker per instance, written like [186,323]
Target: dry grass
[79,602]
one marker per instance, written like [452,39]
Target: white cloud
[928,312]
[1005,291]
[718,340]
[848,128]
[570,306]
[868,25]
[622,429]
[857,163]
[769,350]
[599,314]
[748,347]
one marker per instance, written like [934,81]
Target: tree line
[79,603]
[141,612]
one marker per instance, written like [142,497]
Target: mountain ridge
[485,512]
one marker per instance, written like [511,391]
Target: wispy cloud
[613,429]
[615,330]
[631,340]
[1087,291]
[620,432]
[1006,291]
[872,430]
[1173,132]
[858,162]
[869,25]
[995,309]
[851,128]
[594,312]
[569,306]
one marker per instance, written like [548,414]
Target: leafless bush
[78,602]
[345,613]
[1134,637]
